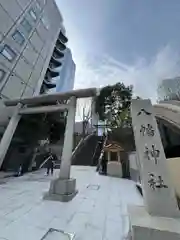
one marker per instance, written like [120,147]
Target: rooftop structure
[169,89]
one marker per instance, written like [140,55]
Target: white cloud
[142,75]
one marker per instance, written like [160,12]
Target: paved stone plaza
[98,212]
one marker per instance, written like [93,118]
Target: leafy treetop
[113,102]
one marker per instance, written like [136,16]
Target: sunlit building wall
[65,81]
[169,89]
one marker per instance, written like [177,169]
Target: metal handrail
[95,150]
[102,152]
[79,144]
[45,161]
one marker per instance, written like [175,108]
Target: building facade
[32,54]
[32,48]
[65,82]
[169,89]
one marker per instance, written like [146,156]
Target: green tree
[113,103]
[124,119]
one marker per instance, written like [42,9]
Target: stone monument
[160,217]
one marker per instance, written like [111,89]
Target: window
[33,15]
[18,37]
[27,26]
[2,74]
[38,8]
[45,22]
[42,2]
[8,53]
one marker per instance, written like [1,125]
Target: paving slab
[98,212]
[4,175]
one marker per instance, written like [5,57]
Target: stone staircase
[85,152]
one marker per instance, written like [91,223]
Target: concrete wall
[133,166]
[169,113]
[27,37]
[174,169]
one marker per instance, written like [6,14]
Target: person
[50,165]
[104,165]
[19,171]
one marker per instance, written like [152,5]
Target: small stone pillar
[64,188]
[109,156]
[119,156]
[155,220]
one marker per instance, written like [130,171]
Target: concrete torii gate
[63,188]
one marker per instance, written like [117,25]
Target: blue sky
[134,41]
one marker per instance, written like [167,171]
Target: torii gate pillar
[64,187]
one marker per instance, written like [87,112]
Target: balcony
[48,84]
[60,46]
[51,73]
[54,63]
[57,53]
[63,38]
[54,58]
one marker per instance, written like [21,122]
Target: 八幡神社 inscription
[147,129]
[143,111]
[152,153]
[156,182]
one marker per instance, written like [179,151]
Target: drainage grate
[93,187]
[55,234]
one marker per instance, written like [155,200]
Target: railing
[79,147]
[95,151]
[45,161]
[73,153]
[102,153]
